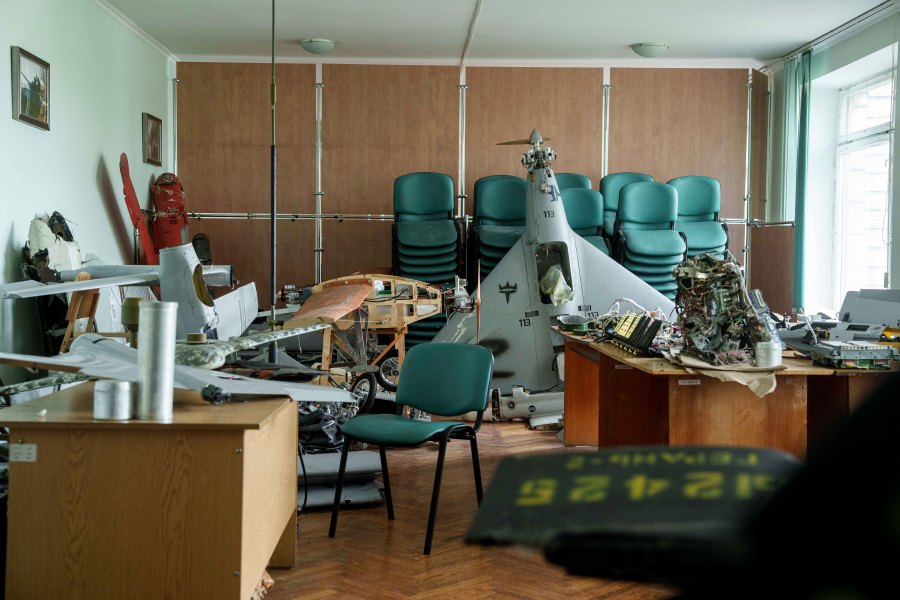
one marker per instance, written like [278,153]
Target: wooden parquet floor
[373,558]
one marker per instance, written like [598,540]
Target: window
[863,185]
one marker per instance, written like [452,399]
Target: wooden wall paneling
[772,265]
[224,141]
[565,105]
[380,122]
[675,122]
[759,128]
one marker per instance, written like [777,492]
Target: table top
[661,366]
[74,406]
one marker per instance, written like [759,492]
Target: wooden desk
[613,398]
[195,508]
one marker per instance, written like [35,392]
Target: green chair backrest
[647,205]
[423,197]
[500,200]
[568,181]
[699,198]
[584,210]
[445,379]
[611,184]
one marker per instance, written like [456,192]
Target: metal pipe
[461,183]
[273,347]
[319,242]
[604,143]
[747,174]
[289,216]
[757,223]
[174,124]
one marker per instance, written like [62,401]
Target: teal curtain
[795,150]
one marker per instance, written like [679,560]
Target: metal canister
[768,354]
[156,360]
[113,400]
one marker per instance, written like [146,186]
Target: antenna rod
[273,348]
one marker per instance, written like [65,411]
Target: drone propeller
[521,142]
[531,141]
[478,304]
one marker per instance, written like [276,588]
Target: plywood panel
[772,265]
[380,122]
[759,110]
[675,122]
[583,396]
[565,105]
[224,142]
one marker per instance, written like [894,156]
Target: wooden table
[613,398]
[195,508]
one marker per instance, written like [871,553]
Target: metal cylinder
[156,360]
[113,400]
[768,354]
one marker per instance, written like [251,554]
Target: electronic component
[635,333]
[854,355]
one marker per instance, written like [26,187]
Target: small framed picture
[30,88]
[152,140]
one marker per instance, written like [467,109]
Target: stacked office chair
[498,221]
[699,202]
[426,241]
[609,187]
[441,379]
[568,181]
[584,212]
[646,242]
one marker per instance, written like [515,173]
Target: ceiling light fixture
[317,46]
[649,49]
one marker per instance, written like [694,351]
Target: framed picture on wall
[30,88]
[152,140]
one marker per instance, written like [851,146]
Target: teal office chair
[646,242]
[584,212]
[440,379]
[427,244]
[568,181]
[699,202]
[498,221]
[610,185]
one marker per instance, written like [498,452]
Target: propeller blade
[520,142]
[478,305]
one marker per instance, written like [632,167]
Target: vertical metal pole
[461,183]
[747,177]
[604,164]
[319,243]
[175,125]
[273,348]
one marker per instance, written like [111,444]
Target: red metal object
[151,255]
[170,227]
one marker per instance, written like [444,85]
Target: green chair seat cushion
[653,260]
[426,234]
[499,236]
[394,430]
[664,286]
[649,269]
[656,278]
[427,261]
[429,269]
[717,252]
[654,243]
[426,250]
[703,234]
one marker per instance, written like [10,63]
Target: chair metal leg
[476,467]
[332,529]
[387,483]
[435,494]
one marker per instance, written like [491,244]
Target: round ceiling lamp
[649,49]
[316,45]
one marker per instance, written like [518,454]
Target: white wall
[103,76]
